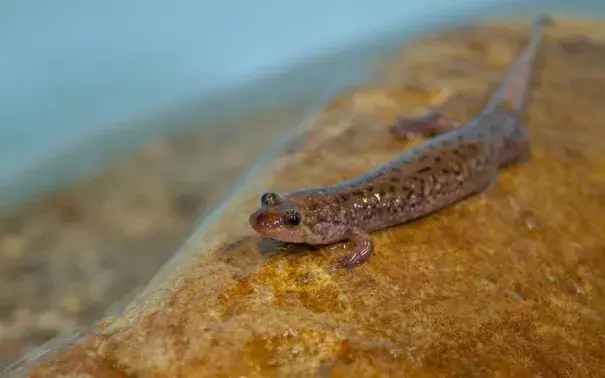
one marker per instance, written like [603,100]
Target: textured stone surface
[508,282]
[67,257]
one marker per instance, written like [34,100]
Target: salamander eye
[292,218]
[269,199]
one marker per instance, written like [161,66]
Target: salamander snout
[261,221]
[280,225]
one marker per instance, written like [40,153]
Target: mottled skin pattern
[457,163]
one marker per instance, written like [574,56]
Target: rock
[507,283]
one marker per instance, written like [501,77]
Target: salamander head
[279,219]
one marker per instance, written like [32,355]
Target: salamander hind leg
[429,125]
[514,151]
[363,250]
[515,148]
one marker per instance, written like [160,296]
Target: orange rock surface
[508,283]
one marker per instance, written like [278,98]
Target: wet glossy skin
[458,162]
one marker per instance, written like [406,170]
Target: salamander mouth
[258,222]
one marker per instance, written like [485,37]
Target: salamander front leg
[363,249]
[429,125]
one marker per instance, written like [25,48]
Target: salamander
[458,161]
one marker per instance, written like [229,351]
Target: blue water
[73,69]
